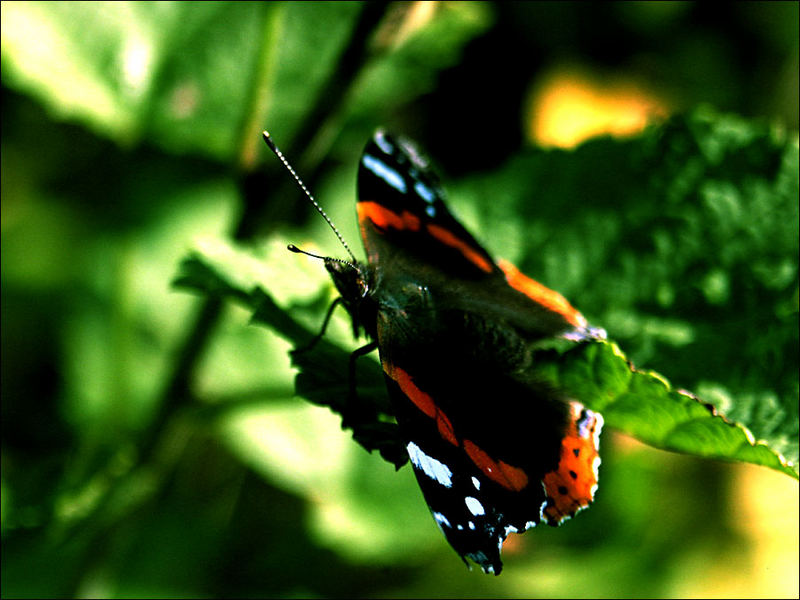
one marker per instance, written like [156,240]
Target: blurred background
[151,442]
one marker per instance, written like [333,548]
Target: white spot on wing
[383,143]
[474,506]
[441,520]
[436,470]
[476,482]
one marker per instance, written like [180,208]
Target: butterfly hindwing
[508,441]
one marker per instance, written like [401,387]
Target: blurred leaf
[431,40]
[170,71]
[357,502]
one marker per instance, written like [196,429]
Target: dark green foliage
[153,444]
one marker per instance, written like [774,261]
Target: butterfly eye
[363,287]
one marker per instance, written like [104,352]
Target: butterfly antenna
[295,249]
[308,194]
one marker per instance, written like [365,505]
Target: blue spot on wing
[381,170]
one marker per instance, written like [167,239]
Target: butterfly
[495,450]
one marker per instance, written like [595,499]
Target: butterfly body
[494,450]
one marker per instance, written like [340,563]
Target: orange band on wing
[447,238]
[512,478]
[383,218]
[422,401]
[508,476]
[541,294]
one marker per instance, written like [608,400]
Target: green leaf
[168,73]
[643,404]
[164,71]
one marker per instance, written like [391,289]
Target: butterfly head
[355,283]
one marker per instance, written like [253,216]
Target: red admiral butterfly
[494,450]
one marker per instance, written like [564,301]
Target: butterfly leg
[357,414]
[362,417]
[358,411]
[315,340]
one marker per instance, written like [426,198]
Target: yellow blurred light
[569,106]
[403,20]
[766,511]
